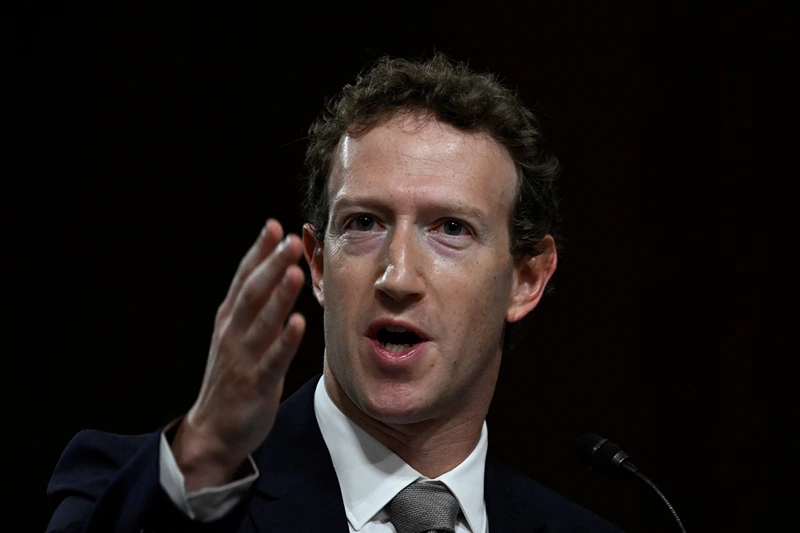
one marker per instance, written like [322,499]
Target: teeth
[396,329]
[396,348]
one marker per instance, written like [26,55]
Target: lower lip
[396,359]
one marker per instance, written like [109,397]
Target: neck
[432,447]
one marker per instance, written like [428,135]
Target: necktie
[424,507]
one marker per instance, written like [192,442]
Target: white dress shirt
[369,474]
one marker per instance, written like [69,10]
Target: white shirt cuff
[206,504]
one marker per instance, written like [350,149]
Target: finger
[276,362]
[259,286]
[268,239]
[268,322]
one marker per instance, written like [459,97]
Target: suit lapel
[297,488]
[508,504]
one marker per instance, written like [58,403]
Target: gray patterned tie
[424,507]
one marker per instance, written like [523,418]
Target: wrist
[203,459]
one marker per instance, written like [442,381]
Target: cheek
[485,300]
[347,290]
[344,279]
[335,267]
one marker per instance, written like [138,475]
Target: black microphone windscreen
[602,455]
[585,447]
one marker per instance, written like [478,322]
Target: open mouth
[397,339]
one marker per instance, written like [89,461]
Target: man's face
[415,274]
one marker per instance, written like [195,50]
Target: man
[431,219]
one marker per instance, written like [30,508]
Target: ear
[531,275]
[312,250]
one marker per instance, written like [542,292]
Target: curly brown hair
[455,95]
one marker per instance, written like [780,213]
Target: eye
[362,223]
[453,227]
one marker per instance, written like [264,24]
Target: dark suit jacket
[109,483]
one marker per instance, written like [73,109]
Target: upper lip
[381,323]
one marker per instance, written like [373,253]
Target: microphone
[602,455]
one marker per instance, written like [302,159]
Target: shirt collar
[370,474]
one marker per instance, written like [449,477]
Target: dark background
[146,146]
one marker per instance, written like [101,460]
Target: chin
[396,404]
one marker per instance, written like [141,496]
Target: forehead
[417,159]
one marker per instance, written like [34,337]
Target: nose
[401,277]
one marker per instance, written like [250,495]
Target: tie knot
[423,507]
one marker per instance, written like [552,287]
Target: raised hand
[251,348]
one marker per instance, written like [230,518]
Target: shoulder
[92,458]
[558,512]
[99,449]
